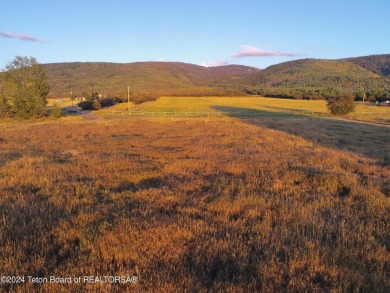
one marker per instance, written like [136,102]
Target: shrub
[86,105]
[341,105]
[96,105]
[90,105]
[107,102]
[55,111]
[119,100]
[139,99]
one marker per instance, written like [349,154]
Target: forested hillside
[318,79]
[168,78]
[379,64]
[298,79]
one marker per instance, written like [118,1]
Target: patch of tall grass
[190,206]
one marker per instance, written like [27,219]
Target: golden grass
[243,106]
[371,114]
[191,205]
[66,102]
[183,104]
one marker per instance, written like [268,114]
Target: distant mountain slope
[314,72]
[379,64]
[317,78]
[145,77]
[305,78]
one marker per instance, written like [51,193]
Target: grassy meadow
[262,203]
[204,104]
[260,106]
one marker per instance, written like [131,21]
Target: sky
[208,33]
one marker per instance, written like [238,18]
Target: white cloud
[23,37]
[214,63]
[250,51]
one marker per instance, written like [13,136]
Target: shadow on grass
[297,111]
[362,138]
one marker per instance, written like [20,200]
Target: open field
[237,106]
[233,204]
[369,113]
[66,102]
[203,104]
[255,106]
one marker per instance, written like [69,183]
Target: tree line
[371,94]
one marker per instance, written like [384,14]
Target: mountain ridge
[321,78]
[379,63]
[302,78]
[163,77]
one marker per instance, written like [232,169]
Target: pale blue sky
[255,33]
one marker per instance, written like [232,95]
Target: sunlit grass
[223,205]
[66,102]
[371,113]
[261,105]
[200,104]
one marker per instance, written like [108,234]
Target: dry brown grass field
[196,205]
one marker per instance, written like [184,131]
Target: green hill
[167,78]
[316,79]
[314,72]
[379,64]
